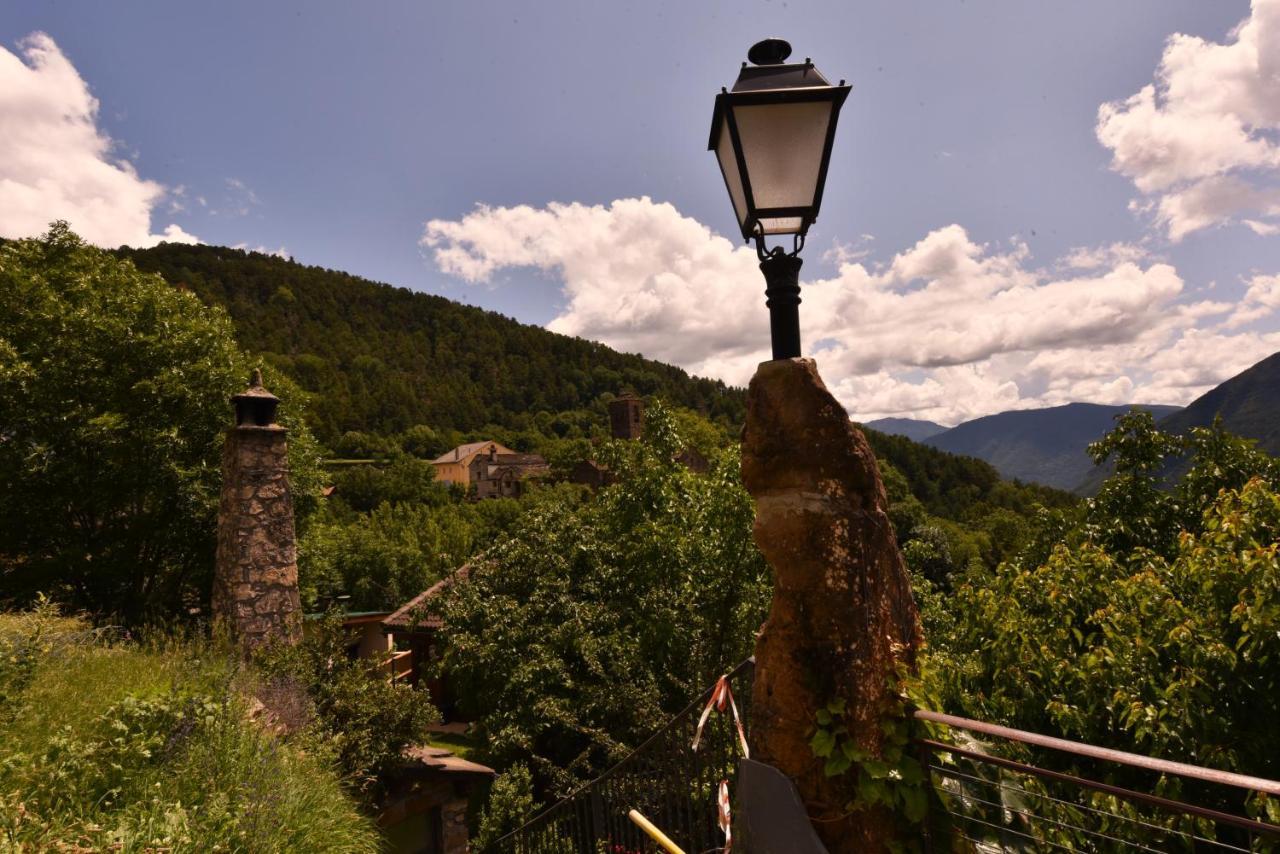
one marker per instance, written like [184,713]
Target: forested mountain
[381,359]
[1039,445]
[1249,404]
[913,428]
[954,486]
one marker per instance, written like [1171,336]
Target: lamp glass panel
[782,145]
[781,224]
[732,178]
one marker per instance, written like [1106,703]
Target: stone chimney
[626,417]
[255,584]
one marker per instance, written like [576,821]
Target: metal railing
[1002,789]
[664,778]
[997,790]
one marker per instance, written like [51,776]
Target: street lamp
[772,135]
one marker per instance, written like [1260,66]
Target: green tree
[114,391]
[1151,625]
[383,558]
[594,619]
[510,805]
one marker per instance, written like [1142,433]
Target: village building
[489,470]
[412,628]
[496,475]
[455,466]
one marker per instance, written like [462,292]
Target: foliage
[114,394]
[892,778]
[594,620]
[362,719]
[385,557]
[1152,625]
[401,479]
[146,746]
[382,360]
[510,805]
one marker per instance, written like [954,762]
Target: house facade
[498,475]
[455,466]
[490,469]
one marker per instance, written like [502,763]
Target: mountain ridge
[916,429]
[1045,446]
[1248,402]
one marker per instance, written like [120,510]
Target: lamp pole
[782,295]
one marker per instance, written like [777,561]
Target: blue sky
[982,236]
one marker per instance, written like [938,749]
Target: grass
[460,745]
[146,745]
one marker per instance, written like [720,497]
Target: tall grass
[110,743]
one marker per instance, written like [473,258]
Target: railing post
[598,826]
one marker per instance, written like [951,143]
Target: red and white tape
[722,698]
[726,819]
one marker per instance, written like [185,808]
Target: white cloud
[56,163]
[1261,299]
[1201,141]
[1094,257]
[947,329]
[281,252]
[240,199]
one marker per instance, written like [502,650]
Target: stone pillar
[842,619]
[255,585]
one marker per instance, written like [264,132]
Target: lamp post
[772,134]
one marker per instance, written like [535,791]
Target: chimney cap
[255,406]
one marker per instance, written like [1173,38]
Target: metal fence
[664,778]
[997,790]
[1003,789]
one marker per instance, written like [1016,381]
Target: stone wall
[255,591]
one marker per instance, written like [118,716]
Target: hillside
[1249,404]
[913,428]
[381,359]
[1044,446]
[954,486]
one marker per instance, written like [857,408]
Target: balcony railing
[998,790]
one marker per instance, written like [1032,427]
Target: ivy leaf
[837,764]
[914,803]
[822,743]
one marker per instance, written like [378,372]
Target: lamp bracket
[763,252]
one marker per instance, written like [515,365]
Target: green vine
[893,779]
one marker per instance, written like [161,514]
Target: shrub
[148,746]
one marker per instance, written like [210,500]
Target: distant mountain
[1249,404]
[912,428]
[1044,446]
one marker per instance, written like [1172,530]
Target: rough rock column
[843,618]
[255,585]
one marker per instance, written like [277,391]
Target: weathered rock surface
[843,618]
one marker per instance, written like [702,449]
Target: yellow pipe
[656,835]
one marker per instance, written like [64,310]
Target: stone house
[497,475]
[455,466]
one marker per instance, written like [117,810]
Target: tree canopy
[114,394]
[1150,624]
[594,619]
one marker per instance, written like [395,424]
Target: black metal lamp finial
[769,52]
